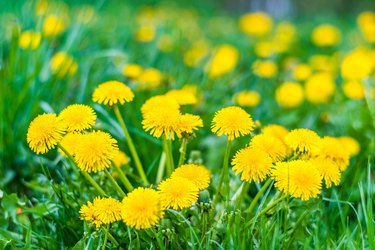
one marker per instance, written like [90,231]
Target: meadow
[185,126]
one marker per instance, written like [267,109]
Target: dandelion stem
[113,240]
[161,168]
[86,175]
[245,188]
[129,187]
[182,151]
[224,176]
[131,146]
[168,151]
[105,237]
[111,179]
[258,195]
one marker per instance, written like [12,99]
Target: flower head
[120,159]
[95,151]
[233,122]
[354,90]
[142,208]
[150,78]
[189,123]
[69,142]
[326,35]
[63,64]
[273,146]
[331,148]
[78,117]
[44,132]
[253,164]
[158,102]
[247,98]
[223,61]
[319,88]
[350,144]
[132,70]
[178,193]
[328,169]
[182,96]
[101,211]
[29,39]
[289,95]
[264,69]
[276,131]
[198,174]
[256,24]
[112,92]
[161,121]
[298,178]
[53,26]
[303,140]
[301,72]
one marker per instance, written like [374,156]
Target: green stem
[167,147]
[182,151]
[161,168]
[113,240]
[245,188]
[85,174]
[131,146]
[105,237]
[129,187]
[224,175]
[113,181]
[258,195]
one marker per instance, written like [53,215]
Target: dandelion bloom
[29,39]
[353,90]
[101,211]
[78,117]
[44,132]
[298,178]
[178,193]
[247,98]
[112,92]
[198,174]
[252,163]
[142,208]
[150,78]
[120,159]
[273,146]
[162,121]
[350,144]
[319,88]
[256,24]
[69,142]
[303,140]
[53,26]
[132,70]
[289,95]
[233,122]
[276,131]
[63,64]
[159,101]
[95,151]
[189,123]
[328,169]
[264,69]
[301,72]
[223,61]
[182,96]
[326,35]
[357,65]
[331,148]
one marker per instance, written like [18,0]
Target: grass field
[179,125]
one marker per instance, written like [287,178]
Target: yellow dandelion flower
[301,72]
[120,159]
[223,61]
[289,95]
[298,178]
[331,148]
[78,117]
[328,170]
[178,193]
[182,96]
[273,146]
[69,142]
[132,70]
[326,35]
[101,211]
[193,56]
[357,65]
[142,208]
[159,101]
[198,174]
[112,92]
[354,90]
[189,123]
[161,121]
[145,34]
[150,79]
[44,132]
[350,144]
[276,131]
[29,39]
[319,88]
[252,163]
[264,69]
[256,24]
[53,26]
[303,140]
[95,151]
[63,64]
[264,49]
[247,98]
[233,122]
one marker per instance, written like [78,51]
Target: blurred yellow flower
[353,90]
[232,121]
[53,26]
[69,142]
[276,131]
[197,174]
[329,170]
[271,145]
[264,69]
[120,159]
[78,117]
[289,95]
[101,211]
[350,144]
[112,92]
[303,140]
[356,65]
[29,39]
[95,151]
[178,193]
[247,98]
[301,72]
[319,88]
[194,55]
[63,64]
[44,132]
[331,148]
[142,208]
[150,78]
[366,22]
[132,70]
[253,164]
[264,49]
[323,63]
[326,35]
[256,24]
[182,96]
[223,61]
[145,34]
